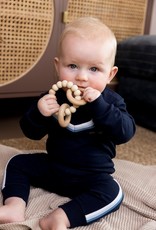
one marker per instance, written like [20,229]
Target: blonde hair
[90,28]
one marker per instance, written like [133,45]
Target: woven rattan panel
[25,28]
[126,18]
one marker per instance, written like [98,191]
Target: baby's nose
[82,76]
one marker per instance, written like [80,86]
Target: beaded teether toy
[74,96]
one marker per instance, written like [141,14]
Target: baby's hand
[48,105]
[90,94]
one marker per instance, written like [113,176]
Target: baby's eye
[72,66]
[94,69]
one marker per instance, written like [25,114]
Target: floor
[9,127]
[11,112]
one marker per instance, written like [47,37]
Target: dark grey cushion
[136,59]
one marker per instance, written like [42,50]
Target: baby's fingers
[90,94]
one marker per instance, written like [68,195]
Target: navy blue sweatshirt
[88,144]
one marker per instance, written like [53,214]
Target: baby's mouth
[81,88]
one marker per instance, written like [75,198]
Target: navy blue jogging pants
[91,198]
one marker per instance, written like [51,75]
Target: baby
[78,163]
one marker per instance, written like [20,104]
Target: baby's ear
[56,63]
[112,74]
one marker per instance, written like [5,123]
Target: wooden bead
[64,83]
[54,87]
[59,84]
[67,111]
[74,88]
[78,98]
[77,92]
[69,84]
[72,109]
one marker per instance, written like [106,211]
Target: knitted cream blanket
[138,211]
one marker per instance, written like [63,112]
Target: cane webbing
[126,18]
[25,28]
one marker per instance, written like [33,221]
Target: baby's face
[85,62]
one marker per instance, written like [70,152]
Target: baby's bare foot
[57,220]
[12,211]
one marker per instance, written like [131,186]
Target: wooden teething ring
[63,119]
[65,111]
